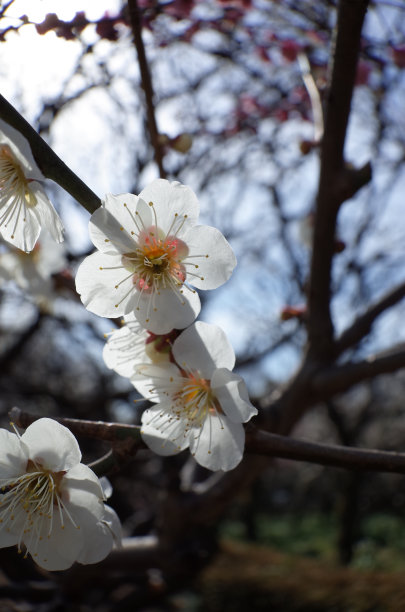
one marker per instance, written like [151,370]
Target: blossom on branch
[50,503]
[200,402]
[24,205]
[150,255]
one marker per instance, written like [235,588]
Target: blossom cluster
[151,256]
[199,403]
[151,259]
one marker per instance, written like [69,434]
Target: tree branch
[109,432]
[337,182]
[363,324]
[273,445]
[339,378]
[49,163]
[146,80]
[136,554]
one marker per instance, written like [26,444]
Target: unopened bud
[182,143]
[293,312]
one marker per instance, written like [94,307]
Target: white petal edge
[170,198]
[97,287]
[214,270]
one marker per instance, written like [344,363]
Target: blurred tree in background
[286,118]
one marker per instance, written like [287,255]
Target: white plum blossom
[24,205]
[33,271]
[50,503]
[150,255]
[200,402]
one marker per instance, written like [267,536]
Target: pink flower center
[156,263]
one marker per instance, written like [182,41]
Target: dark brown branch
[273,445]
[337,181]
[49,163]
[362,326]
[110,432]
[146,80]
[136,554]
[339,378]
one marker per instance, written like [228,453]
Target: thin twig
[363,324]
[146,80]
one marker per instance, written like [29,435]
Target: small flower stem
[50,164]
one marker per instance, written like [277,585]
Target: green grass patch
[381,545]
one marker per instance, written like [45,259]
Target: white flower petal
[105,286]
[204,347]
[8,536]
[111,519]
[144,215]
[52,445]
[125,350]
[218,444]
[80,487]
[107,231]
[167,310]
[231,392]
[157,382]
[13,455]
[170,198]
[214,270]
[122,207]
[162,431]
[59,549]
[100,537]
[45,213]
[21,227]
